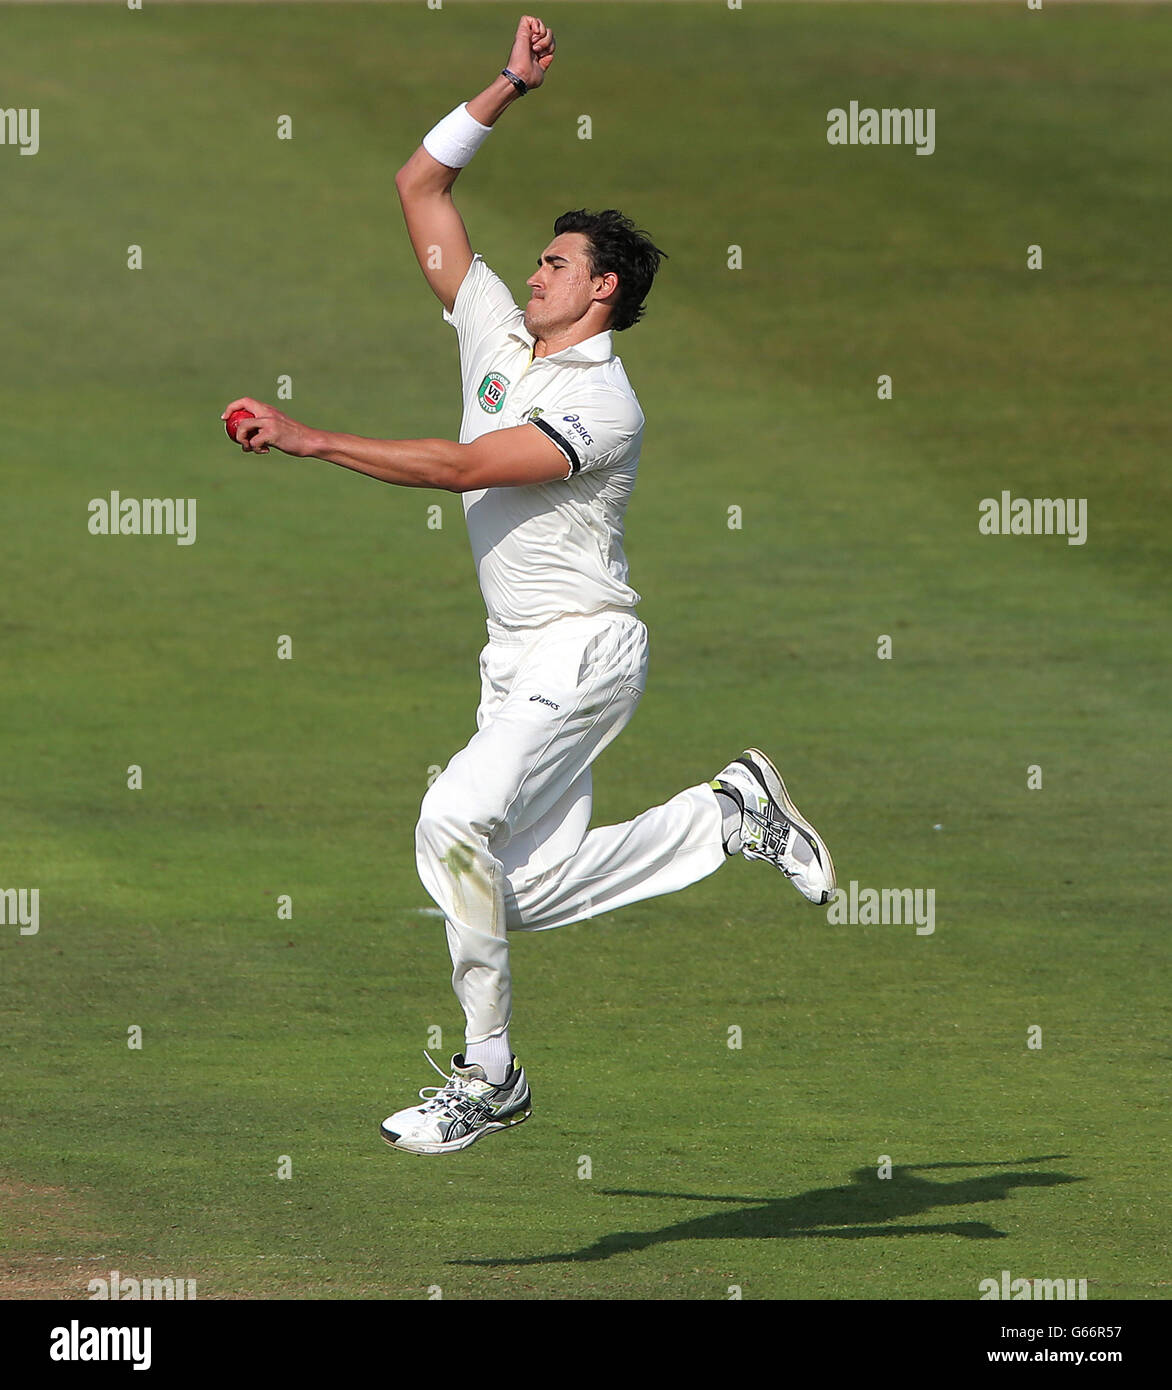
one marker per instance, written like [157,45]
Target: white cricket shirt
[546,550]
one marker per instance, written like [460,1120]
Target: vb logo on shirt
[491,394]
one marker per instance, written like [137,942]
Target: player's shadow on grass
[866,1208]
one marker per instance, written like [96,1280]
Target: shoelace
[452,1097]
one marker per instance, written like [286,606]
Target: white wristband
[456,138]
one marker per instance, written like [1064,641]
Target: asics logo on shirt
[541,700]
[576,425]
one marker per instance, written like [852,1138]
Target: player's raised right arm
[434,224]
[424,183]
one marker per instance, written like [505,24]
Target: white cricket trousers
[503,842]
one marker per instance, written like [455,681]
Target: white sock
[731,810]
[494,1055]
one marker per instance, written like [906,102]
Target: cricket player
[545,464]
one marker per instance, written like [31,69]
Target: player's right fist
[532,51]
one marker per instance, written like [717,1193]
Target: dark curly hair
[615,245]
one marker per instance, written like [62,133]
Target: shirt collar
[600,348]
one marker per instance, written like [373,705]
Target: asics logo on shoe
[467,1117]
[775,833]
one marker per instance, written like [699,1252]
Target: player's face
[561,289]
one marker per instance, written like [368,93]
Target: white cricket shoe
[457,1113]
[773,829]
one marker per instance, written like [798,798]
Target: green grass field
[710,1166]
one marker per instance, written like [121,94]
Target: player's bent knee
[447,818]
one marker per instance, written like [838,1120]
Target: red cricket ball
[234,420]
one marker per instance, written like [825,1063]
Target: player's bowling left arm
[505,458]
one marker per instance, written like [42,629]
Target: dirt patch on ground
[40,1222]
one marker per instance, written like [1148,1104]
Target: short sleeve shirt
[555,549]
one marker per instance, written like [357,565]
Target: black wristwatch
[518,82]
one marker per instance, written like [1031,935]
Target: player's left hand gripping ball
[258,427]
[231,422]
